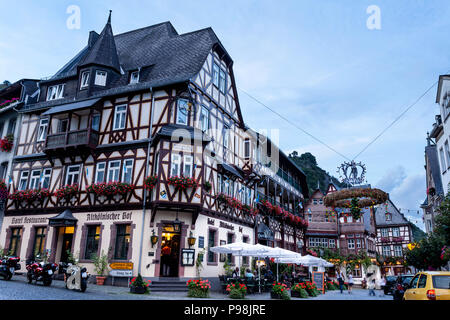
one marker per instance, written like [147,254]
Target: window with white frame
[386,250]
[332,243]
[204,118]
[226,136]
[100,172]
[156,164]
[247,148]
[23,181]
[84,80]
[175,165]
[447,152]
[55,92]
[216,71]
[182,111]
[398,251]
[248,198]
[45,180]
[351,243]
[134,77]
[113,171]
[385,232]
[358,243]
[100,78]
[442,157]
[324,242]
[396,232]
[73,174]
[314,242]
[187,166]
[127,173]
[349,219]
[120,116]
[222,81]
[34,179]
[42,132]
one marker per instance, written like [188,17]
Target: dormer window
[134,77]
[100,78]
[55,92]
[84,80]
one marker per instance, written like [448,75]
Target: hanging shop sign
[121,265]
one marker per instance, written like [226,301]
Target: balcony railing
[283,175]
[76,138]
[262,197]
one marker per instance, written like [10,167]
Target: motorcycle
[41,271]
[75,277]
[8,266]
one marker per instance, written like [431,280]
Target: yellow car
[429,285]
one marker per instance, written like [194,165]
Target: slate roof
[164,57]
[104,51]
[432,156]
[397,216]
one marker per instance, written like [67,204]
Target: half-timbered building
[393,236]
[137,148]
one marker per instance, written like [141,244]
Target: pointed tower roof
[104,51]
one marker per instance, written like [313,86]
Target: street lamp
[191,240]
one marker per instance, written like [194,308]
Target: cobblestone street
[19,289]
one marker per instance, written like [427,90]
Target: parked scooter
[75,277]
[41,271]
[8,266]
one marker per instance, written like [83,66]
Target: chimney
[93,36]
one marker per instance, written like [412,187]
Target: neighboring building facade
[393,236]
[147,103]
[12,97]
[345,234]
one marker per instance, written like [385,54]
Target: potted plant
[311,289]
[279,291]
[3,190]
[66,191]
[139,286]
[237,290]
[100,267]
[6,143]
[299,290]
[198,288]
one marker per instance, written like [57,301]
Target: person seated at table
[269,274]
[236,273]
[249,274]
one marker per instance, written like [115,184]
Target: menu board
[318,280]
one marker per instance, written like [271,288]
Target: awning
[64,219]
[71,106]
[230,169]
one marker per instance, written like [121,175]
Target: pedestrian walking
[341,281]
[371,287]
[350,283]
[382,285]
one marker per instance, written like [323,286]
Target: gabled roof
[103,52]
[396,216]
[164,57]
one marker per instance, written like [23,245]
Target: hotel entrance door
[66,245]
[170,254]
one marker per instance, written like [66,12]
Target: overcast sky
[315,62]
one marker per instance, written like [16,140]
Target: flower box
[6,144]
[138,290]
[139,286]
[110,188]
[3,190]
[6,103]
[30,195]
[67,191]
[180,182]
[198,288]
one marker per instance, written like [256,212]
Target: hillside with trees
[307,162]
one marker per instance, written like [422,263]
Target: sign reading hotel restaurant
[121,265]
[121,273]
[28,220]
[318,280]
[108,216]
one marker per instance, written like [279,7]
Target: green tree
[427,253]
[443,220]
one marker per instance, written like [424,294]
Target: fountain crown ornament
[352,173]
